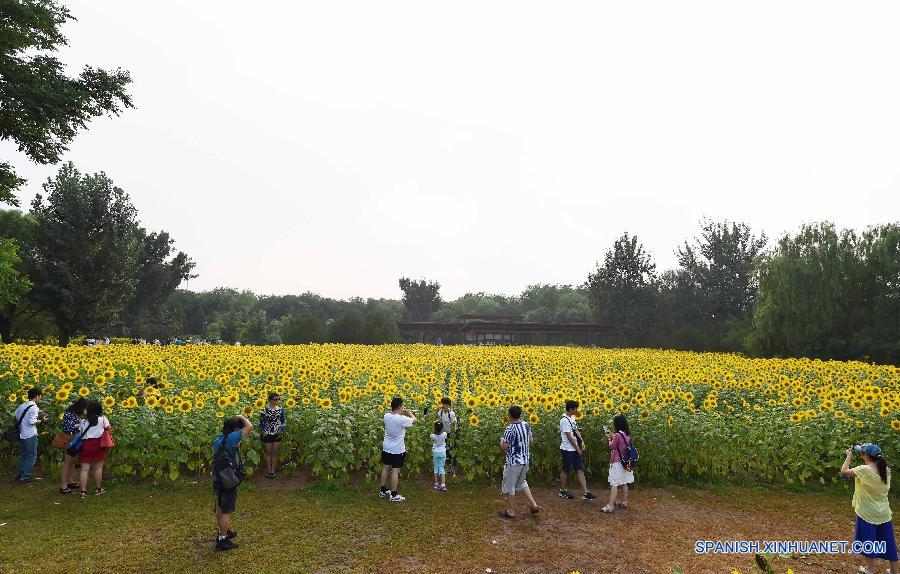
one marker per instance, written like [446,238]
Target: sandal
[66,490]
[98,491]
[506,514]
[608,509]
[83,494]
[622,505]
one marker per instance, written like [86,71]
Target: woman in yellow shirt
[874,529]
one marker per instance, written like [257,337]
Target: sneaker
[566,494]
[397,498]
[384,494]
[225,544]
[444,487]
[588,496]
[99,491]
[437,486]
[231,534]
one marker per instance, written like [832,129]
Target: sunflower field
[693,416]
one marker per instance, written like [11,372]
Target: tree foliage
[85,250]
[421,298]
[831,293]
[41,108]
[160,271]
[623,290]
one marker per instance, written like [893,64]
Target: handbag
[61,440]
[73,447]
[106,441]
[12,433]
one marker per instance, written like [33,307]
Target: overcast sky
[336,146]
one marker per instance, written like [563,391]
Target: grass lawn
[286,527]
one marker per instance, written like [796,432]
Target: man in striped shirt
[516,444]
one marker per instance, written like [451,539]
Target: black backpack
[227,473]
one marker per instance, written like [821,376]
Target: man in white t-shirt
[571,448]
[393,450]
[28,417]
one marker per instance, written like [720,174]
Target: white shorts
[618,475]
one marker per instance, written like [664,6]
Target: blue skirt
[868,532]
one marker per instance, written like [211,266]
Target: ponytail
[882,468]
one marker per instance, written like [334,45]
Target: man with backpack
[27,418]
[571,449]
[227,475]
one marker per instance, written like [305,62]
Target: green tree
[41,108]
[160,272]
[18,311]
[348,328]
[380,328]
[421,298]
[720,265]
[86,244]
[12,283]
[831,294]
[307,328]
[623,290]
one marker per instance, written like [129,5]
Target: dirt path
[658,530]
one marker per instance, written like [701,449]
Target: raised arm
[845,469]
[248,426]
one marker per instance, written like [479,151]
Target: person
[234,430]
[619,443]
[516,445]
[71,425]
[92,455]
[451,424]
[872,481]
[439,455]
[571,449]
[272,423]
[30,417]
[393,449]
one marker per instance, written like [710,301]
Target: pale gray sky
[336,146]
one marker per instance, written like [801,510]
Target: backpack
[227,473]
[73,447]
[12,433]
[630,457]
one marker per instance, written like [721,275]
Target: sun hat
[868,448]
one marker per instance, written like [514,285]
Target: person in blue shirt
[233,431]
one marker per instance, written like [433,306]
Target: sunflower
[109,401]
[220,415]
[170,409]
[185,406]
[473,420]
[84,391]
[151,401]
